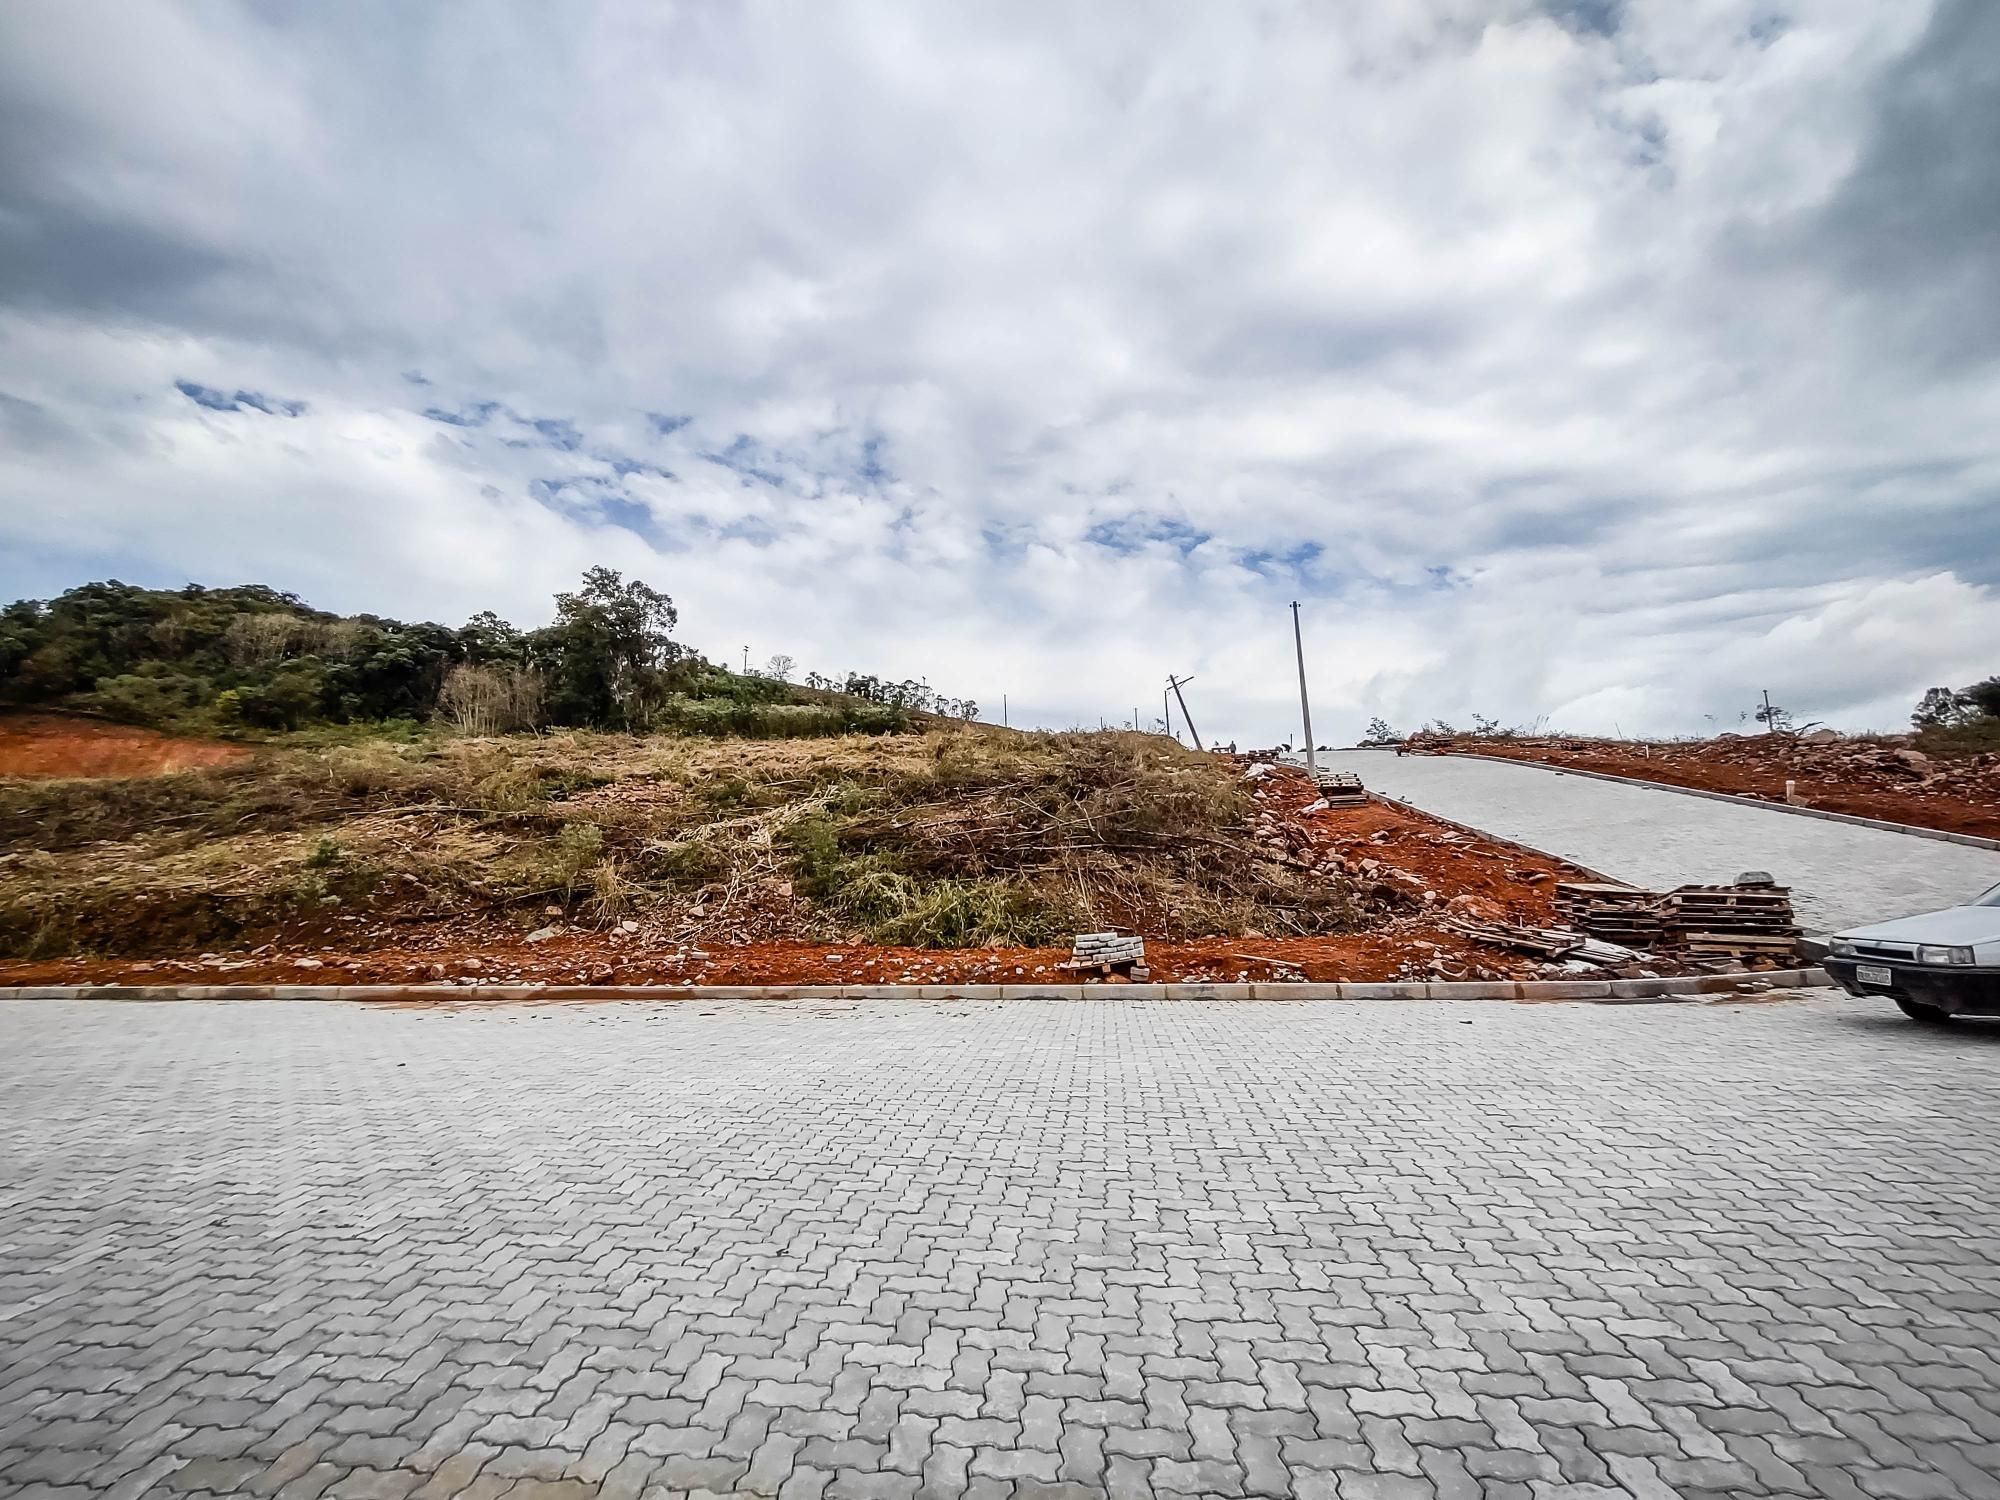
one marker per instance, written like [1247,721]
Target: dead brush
[611,894]
[962,836]
[1099,828]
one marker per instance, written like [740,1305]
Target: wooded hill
[255,659]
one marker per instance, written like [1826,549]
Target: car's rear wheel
[1928,1015]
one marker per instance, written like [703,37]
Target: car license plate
[1869,974]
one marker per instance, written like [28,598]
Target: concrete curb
[1690,987]
[1974,840]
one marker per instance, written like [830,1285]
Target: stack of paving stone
[1341,789]
[1108,952]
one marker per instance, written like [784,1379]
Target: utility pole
[1176,683]
[1003,711]
[1305,707]
[746,661]
[1167,712]
[1767,710]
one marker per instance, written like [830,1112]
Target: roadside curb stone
[1607,991]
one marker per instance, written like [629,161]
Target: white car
[1934,966]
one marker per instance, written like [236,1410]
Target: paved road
[1027,1249]
[1840,873]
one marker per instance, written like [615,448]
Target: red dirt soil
[57,745]
[1426,868]
[1863,778]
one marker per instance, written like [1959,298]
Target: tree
[780,667]
[1941,708]
[1773,718]
[487,700]
[1983,698]
[487,638]
[604,661]
[1379,732]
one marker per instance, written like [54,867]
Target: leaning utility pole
[1176,683]
[1305,708]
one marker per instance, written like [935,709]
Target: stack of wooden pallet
[1341,789]
[1730,921]
[1616,913]
[1702,921]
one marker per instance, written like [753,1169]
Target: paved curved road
[1840,873]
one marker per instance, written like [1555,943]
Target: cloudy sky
[1601,361]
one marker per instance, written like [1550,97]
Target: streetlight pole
[1187,718]
[1305,707]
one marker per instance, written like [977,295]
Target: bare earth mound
[60,745]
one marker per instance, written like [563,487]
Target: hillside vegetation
[252,660]
[952,836]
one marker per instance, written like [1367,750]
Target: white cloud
[1040,351]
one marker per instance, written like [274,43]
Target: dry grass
[953,837]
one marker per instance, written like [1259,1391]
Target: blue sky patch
[1271,562]
[624,467]
[478,414]
[215,400]
[749,458]
[1131,533]
[559,432]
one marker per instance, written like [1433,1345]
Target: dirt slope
[56,745]
[1411,870]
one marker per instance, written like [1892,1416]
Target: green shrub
[578,846]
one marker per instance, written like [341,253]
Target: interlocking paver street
[1841,874]
[1016,1249]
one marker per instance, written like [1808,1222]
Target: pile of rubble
[1887,763]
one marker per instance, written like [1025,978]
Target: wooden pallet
[1702,920]
[1623,914]
[1547,942]
[1736,944]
